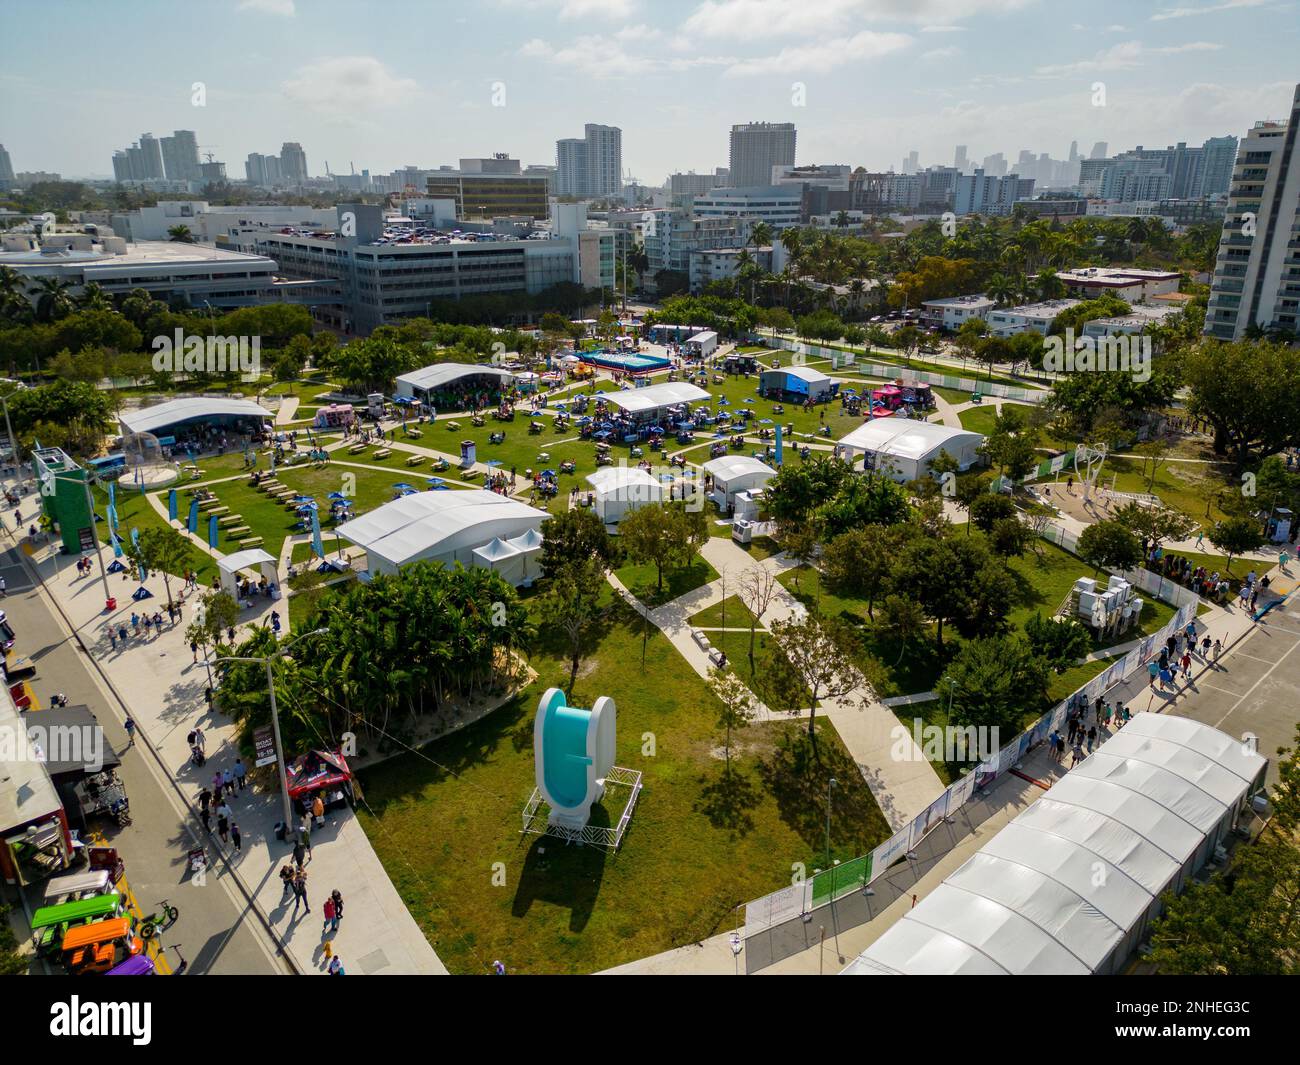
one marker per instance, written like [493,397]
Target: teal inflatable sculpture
[573,752]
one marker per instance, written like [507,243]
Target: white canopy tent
[230,566]
[441,527]
[529,546]
[645,404]
[736,473]
[619,490]
[908,446]
[503,558]
[419,383]
[1072,884]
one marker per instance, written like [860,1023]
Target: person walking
[300,891]
[205,799]
[337,896]
[1153,669]
[235,837]
[228,781]
[1205,646]
[327,909]
[1218,647]
[199,741]
[112,636]
[241,774]
[304,835]
[194,650]
[1187,664]
[223,826]
[336,967]
[1092,738]
[130,731]
[298,854]
[286,878]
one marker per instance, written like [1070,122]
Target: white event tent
[907,446]
[1073,883]
[619,490]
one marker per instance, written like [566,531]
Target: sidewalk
[165,692]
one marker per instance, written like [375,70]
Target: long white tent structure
[619,490]
[736,473]
[1073,883]
[444,527]
[162,417]
[644,403]
[419,383]
[907,446]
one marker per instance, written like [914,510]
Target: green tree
[812,658]
[989,508]
[1227,381]
[1109,545]
[664,534]
[1154,525]
[1236,536]
[571,607]
[995,683]
[162,550]
[736,706]
[1058,641]
[574,536]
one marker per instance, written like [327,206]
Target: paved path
[287,412]
[166,696]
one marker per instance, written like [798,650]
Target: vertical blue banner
[112,494]
[112,518]
[135,540]
[778,445]
[117,544]
[212,531]
[171,505]
[194,516]
[317,548]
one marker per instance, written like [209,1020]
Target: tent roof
[496,550]
[907,437]
[530,541]
[639,400]
[728,467]
[425,524]
[78,720]
[1030,901]
[804,373]
[444,373]
[254,556]
[609,479]
[161,415]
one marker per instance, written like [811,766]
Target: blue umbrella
[764,421]
[401,484]
[435,481]
[494,462]
[749,401]
[336,495]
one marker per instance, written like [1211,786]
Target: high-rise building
[180,156]
[1098,150]
[683,188]
[212,173]
[979,193]
[482,196]
[912,163]
[1257,272]
[590,166]
[756,147]
[959,157]
[1216,168]
[151,153]
[995,165]
[6,166]
[293,163]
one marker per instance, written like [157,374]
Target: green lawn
[981,419]
[1186,486]
[731,613]
[700,843]
[641,580]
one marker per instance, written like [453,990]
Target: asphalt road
[217,932]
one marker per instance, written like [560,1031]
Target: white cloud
[753,19]
[1124,56]
[822,57]
[605,57]
[348,83]
[268,7]
[1188,12]
[941,53]
[943,29]
[577,9]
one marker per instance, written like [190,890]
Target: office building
[1216,169]
[676,235]
[979,193]
[1257,273]
[756,148]
[683,188]
[180,156]
[780,206]
[6,169]
[482,195]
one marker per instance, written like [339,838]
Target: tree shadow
[727,801]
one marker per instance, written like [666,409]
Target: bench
[209,504]
[218,511]
[414,460]
[383,453]
[715,656]
[229,521]
[701,639]
[356,449]
[252,541]
[238,530]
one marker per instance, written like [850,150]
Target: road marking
[1254,658]
[1257,684]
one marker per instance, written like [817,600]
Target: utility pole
[94,539]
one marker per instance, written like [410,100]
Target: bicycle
[180,969]
[153,923]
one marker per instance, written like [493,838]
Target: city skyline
[674,77]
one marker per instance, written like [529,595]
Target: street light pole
[90,507]
[829,785]
[275,719]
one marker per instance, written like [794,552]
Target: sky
[426,82]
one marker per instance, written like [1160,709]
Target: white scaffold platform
[537,814]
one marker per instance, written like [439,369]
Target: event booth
[733,474]
[619,490]
[1071,886]
[797,384]
[903,448]
[230,567]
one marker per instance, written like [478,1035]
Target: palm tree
[52,299]
[92,298]
[1000,289]
[180,235]
[761,235]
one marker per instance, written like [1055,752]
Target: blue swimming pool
[626,361]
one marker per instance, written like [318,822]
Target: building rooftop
[141,253]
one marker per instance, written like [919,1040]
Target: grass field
[982,419]
[700,844]
[641,580]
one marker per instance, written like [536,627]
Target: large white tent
[419,383]
[230,565]
[441,527]
[619,490]
[1072,884]
[907,446]
[162,417]
[736,473]
[645,404]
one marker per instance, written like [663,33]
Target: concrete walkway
[166,695]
